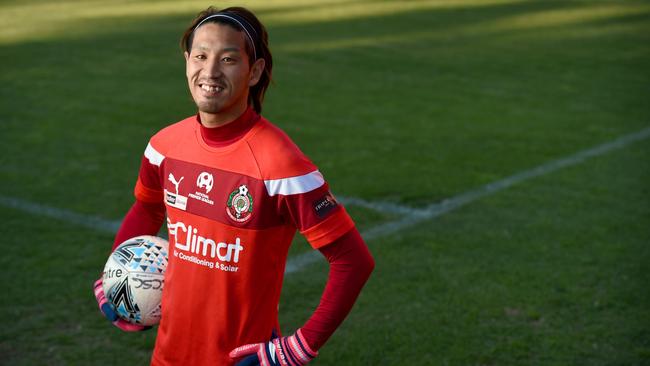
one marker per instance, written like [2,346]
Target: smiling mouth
[211,88]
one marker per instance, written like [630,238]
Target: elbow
[368,265]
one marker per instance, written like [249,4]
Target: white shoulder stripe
[295,185]
[155,158]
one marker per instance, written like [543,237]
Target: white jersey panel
[295,185]
[154,157]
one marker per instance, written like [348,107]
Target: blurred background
[494,153]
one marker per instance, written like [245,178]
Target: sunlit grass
[21,22]
[361,9]
[568,16]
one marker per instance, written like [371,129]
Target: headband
[243,24]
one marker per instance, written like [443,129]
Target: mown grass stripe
[296,263]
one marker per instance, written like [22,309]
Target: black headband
[237,19]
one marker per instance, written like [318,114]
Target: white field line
[298,262]
[91,222]
[381,206]
[411,216]
[111,226]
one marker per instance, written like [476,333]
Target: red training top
[233,205]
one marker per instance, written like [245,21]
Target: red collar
[231,132]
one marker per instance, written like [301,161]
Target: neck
[212,120]
[230,132]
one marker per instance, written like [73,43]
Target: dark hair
[260,47]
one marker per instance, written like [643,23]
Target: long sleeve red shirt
[349,259]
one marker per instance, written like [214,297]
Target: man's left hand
[284,351]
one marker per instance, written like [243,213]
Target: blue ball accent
[108,312]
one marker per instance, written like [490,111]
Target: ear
[256,71]
[187,55]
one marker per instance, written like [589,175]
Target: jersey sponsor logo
[175,199]
[189,244]
[240,204]
[205,181]
[325,205]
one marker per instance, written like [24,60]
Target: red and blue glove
[110,314]
[285,351]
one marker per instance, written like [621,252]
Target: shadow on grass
[76,112]
[116,81]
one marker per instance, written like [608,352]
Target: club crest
[240,204]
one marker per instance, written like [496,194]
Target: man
[235,189]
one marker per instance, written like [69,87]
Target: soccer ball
[133,279]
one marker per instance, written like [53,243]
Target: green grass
[521,278]
[406,102]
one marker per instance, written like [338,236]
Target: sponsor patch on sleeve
[325,205]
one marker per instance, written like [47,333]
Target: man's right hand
[108,312]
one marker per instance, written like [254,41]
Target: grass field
[403,103]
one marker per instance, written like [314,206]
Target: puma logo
[174,181]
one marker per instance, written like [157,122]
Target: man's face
[218,71]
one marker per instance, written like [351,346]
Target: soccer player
[234,189]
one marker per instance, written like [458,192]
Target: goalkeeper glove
[110,314]
[285,351]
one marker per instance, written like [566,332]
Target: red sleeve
[317,215]
[147,214]
[350,266]
[148,187]
[142,219]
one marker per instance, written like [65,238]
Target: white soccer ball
[133,279]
